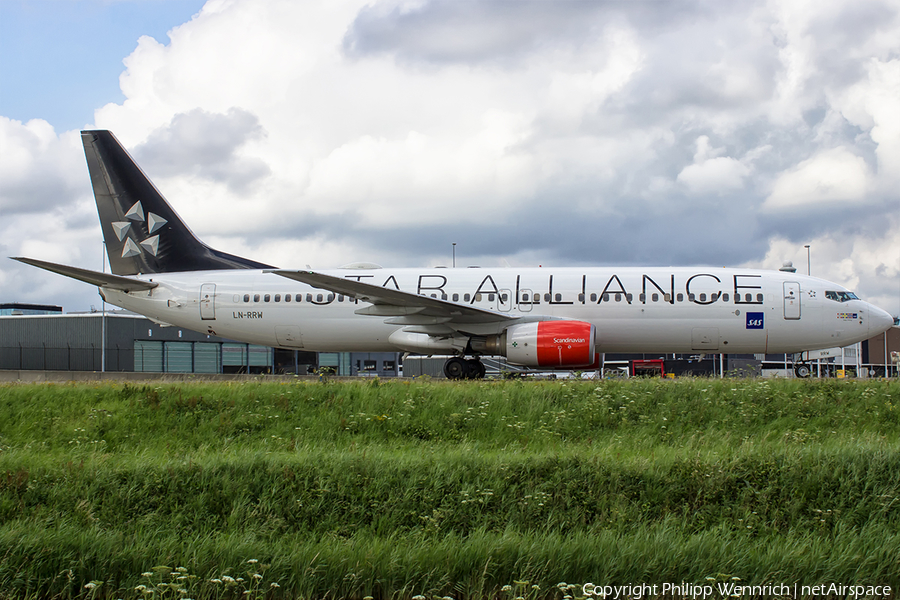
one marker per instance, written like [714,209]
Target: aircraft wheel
[802,371]
[456,368]
[476,369]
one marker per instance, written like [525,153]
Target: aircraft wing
[387,302]
[105,280]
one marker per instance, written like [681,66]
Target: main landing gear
[461,368]
[802,370]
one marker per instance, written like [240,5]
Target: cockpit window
[841,296]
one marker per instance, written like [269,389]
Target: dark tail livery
[143,233]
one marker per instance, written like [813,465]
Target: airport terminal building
[45,339]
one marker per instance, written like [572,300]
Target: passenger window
[680,297]
[759,297]
[667,297]
[246,297]
[524,297]
[456,297]
[559,297]
[298,298]
[318,297]
[655,297]
[725,297]
[287,297]
[443,296]
[309,297]
[490,297]
[593,297]
[642,297]
[277,297]
[340,297]
[477,297]
[581,298]
[503,297]
[748,297]
[618,297]
[691,297]
[546,297]
[467,297]
[628,297]
[256,297]
[702,297]
[266,298]
[330,297]
[606,297]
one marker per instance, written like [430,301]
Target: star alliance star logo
[136,214]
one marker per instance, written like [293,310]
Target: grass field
[467,490]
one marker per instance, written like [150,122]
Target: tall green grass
[393,489]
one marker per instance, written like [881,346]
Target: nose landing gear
[460,368]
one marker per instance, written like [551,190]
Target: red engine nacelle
[552,344]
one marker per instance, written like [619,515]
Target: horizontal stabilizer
[104,280]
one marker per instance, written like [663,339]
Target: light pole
[454,255]
[103,320]
[807,259]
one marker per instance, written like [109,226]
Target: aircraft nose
[879,320]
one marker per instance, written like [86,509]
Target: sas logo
[847,316]
[755,320]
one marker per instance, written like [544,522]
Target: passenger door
[791,300]
[208,302]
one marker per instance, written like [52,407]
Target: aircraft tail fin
[143,232]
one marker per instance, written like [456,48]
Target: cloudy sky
[530,133]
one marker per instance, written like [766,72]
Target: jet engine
[549,344]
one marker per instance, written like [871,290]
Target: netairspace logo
[732,589]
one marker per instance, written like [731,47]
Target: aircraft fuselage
[634,309]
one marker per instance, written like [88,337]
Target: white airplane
[536,317]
